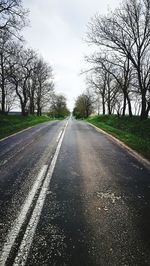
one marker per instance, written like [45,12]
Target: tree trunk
[108,105]
[124,105]
[98,105]
[32,108]
[129,106]
[144,113]
[109,109]
[3,86]
[23,111]
[148,109]
[38,109]
[32,99]
[23,107]
[103,103]
[3,100]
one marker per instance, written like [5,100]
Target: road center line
[58,138]
[14,231]
[32,225]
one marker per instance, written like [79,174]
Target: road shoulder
[134,153]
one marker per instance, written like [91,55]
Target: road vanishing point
[71,196]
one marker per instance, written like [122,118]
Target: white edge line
[32,225]
[132,152]
[14,231]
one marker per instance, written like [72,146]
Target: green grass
[132,131]
[12,124]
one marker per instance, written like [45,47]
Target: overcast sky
[57,29]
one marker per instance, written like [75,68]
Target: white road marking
[13,233]
[58,138]
[30,230]
[2,163]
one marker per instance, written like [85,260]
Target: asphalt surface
[97,207]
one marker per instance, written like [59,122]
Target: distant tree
[97,82]
[59,106]
[84,105]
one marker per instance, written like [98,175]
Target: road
[71,196]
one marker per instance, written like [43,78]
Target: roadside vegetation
[12,124]
[132,131]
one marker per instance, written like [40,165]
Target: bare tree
[97,82]
[104,83]
[21,68]
[127,32]
[23,74]
[119,69]
[12,16]
[12,20]
[45,85]
[6,51]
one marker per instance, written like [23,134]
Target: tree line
[25,78]
[119,68]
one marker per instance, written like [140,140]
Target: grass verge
[132,131]
[12,124]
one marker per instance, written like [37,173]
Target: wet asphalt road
[97,207]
